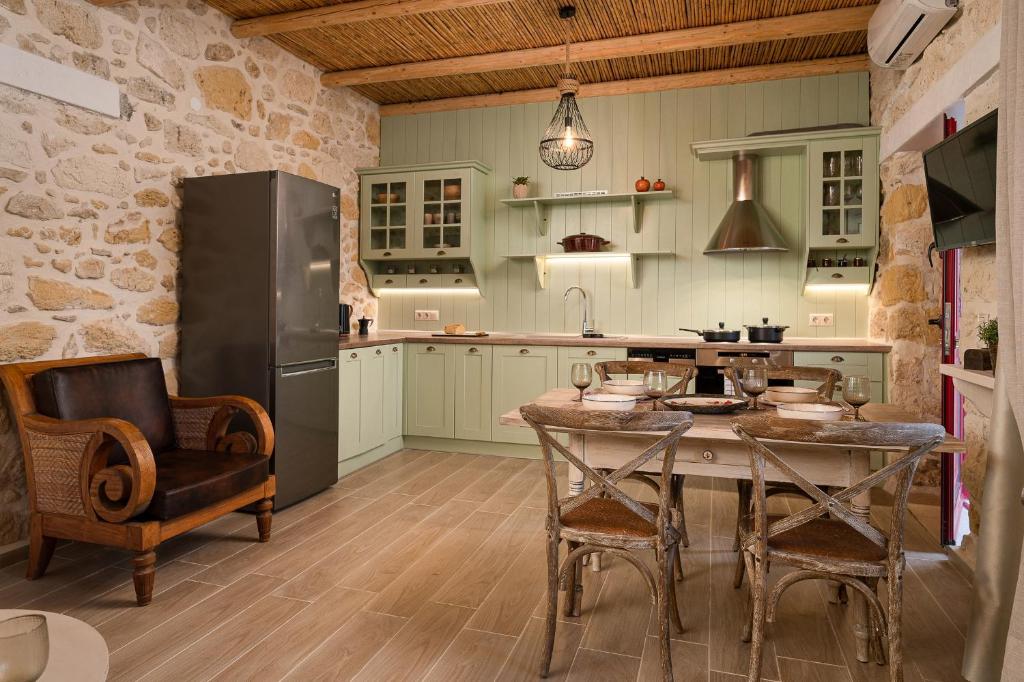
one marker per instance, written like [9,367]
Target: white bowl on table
[623,386]
[791,394]
[608,402]
[813,411]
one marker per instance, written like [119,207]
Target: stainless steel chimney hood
[746,225]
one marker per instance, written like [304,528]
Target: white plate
[624,386]
[812,411]
[791,394]
[608,402]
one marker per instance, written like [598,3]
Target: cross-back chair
[683,374]
[604,518]
[827,540]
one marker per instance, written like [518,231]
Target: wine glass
[24,648]
[755,382]
[655,383]
[857,392]
[581,375]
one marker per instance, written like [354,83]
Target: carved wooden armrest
[70,474]
[202,424]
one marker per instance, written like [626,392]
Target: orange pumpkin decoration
[659,185]
[643,184]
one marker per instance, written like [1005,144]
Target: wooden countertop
[846,345]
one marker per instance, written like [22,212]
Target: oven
[710,361]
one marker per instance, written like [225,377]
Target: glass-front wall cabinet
[843,193]
[420,212]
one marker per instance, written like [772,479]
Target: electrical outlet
[822,319]
[427,316]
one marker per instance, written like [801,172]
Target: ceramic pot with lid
[717,335]
[764,332]
[583,242]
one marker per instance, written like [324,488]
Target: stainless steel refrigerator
[259,312]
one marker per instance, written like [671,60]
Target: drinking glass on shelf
[655,383]
[857,392]
[755,382]
[581,375]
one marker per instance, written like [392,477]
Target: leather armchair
[110,458]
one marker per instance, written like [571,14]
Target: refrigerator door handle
[297,368]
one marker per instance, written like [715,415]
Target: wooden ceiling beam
[779,28]
[345,13]
[107,3]
[748,74]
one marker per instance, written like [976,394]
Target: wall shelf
[775,144]
[976,385]
[631,259]
[635,199]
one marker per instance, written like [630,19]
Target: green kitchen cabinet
[394,381]
[360,391]
[843,193]
[569,355]
[520,374]
[848,364]
[429,399]
[472,392]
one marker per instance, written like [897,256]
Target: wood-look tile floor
[430,566]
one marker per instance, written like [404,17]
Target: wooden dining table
[710,448]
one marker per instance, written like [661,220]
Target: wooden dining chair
[828,380]
[604,518]
[683,374]
[827,540]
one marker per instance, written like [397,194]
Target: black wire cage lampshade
[567,143]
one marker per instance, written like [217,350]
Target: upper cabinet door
[387,217]
[443,211]
[843,193]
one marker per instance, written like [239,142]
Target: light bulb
[567,139]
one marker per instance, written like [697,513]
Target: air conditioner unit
[899,30]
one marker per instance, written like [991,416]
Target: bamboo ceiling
[522,24]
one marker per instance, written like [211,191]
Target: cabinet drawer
[844,362]
[424,281]
[459,281]
[389,281]
[847,275]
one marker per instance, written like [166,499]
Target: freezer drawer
[306,429]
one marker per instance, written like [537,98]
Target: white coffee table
[77,651]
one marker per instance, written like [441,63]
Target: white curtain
[995,646]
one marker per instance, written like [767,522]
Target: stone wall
[89,205]
[909,291]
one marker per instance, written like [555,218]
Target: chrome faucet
[587,329]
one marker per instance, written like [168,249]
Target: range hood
[746,225]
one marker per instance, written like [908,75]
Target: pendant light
[567,143]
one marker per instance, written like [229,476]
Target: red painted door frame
[953,494]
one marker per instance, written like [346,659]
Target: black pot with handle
[765,333]
[716,335]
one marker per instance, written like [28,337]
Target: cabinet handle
[394,349]
[379,351]
[458,280]
[707,455]
[441,253]
[386,253]
[838,358]
[474,350]
[524,351]
[354,356]
[423,281]
[389,281]
[430,349]
[837,275]
[591,353]
[842,240]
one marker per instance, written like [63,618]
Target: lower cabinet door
[394,391]
[429,403]
[350,404]
[569,355]
[371,416]
[473,392]
[521,373]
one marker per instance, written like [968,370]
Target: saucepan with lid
[764,332]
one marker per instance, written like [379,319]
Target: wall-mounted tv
[961,176]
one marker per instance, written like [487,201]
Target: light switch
[427,316]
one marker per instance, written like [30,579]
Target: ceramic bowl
[791,394]
[608,402]
[813,411]
[624,386]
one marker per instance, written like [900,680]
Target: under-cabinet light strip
[428,290]
[849,288]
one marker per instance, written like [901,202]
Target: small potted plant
[520,186]
[988,334]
